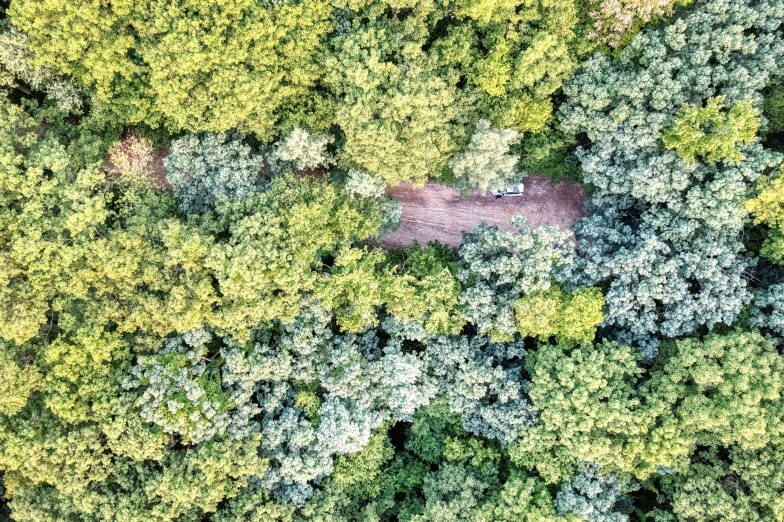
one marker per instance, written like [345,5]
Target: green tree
[767,208]
[190,64]
[486,162]
[569,317]
[497,268]
[591,410]
[19,379]
[714,489]
[354,289]
[712,133]
[276,246]
[727,388]
[16,58]
[420,285]
[664,238]
[202,167]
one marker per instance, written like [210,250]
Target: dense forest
[199,322]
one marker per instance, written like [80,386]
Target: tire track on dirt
[435,212]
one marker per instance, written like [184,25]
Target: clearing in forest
[435,212]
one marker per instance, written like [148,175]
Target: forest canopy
[200,319]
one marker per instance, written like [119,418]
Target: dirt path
[437,212]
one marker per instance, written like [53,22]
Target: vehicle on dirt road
[515,189]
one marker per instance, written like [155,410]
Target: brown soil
[156,174]
[436,212]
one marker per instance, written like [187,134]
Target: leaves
[712,133]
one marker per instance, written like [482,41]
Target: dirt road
[437,212]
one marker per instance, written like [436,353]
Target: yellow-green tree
[569,317]
[768,209]
[190,64]
[711,132]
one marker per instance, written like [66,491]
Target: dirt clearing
[438,212]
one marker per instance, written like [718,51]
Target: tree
[132,161]
[196,66]
[713,489]
[660,239]
[402,134]
[16,58]
[276,243]
[590,410]
[304,150]
[183,393]
[19,380]
[615,21]
[484,384]
[767,309]
[554,313]
[774,108]
[203,167]
[497,268]
[486,162]
[711,133]
[591,497]
[652,273]
[73,253]
[409,83]
[364,185]
[420,285]
[767,208]
[353,289]
[727,388]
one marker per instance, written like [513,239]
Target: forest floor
[157,174]
[438,212]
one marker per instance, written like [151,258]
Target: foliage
[484,383]
[591,497]
[68,251]
[589,410]
[183,392]
[774,108]
[497,268]
[652,272]
[391,212]
[193,65]
[365,185]
[422,287]
[353,290]
[712,133]
[132,161]
[727,388]
[16,57]
[661,240]
[568,317]
[410,81]
[768,208]
[713,488]
[276,242]
[238,346]
[486,162]
[767,309]
[203,167]
[19,380]
[615,20]
[548,153]
[305,151]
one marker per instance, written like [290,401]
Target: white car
[515,189]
